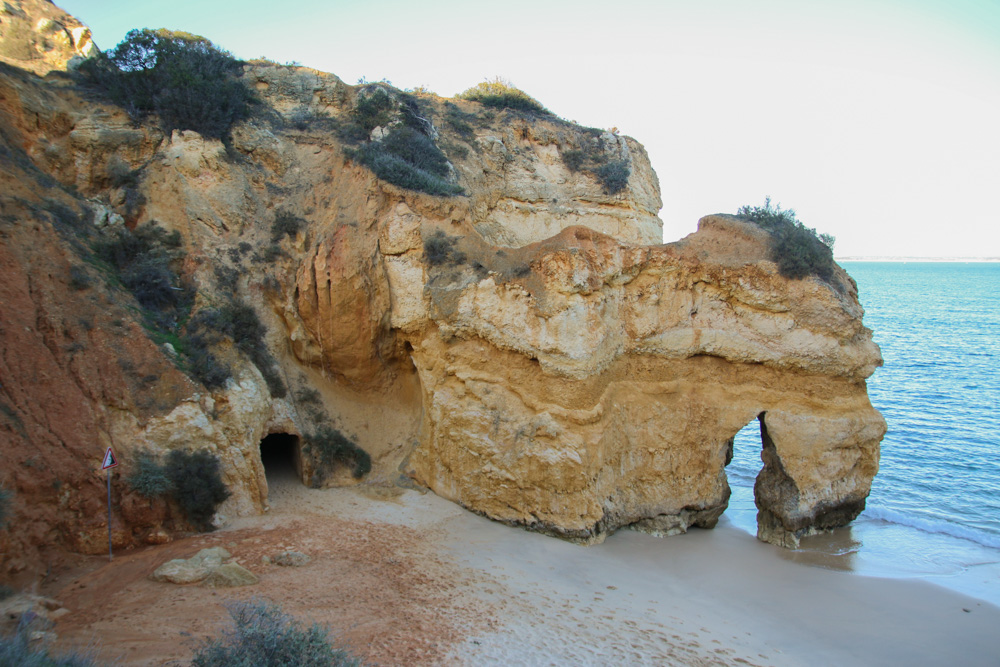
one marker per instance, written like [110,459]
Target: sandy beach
[405,577]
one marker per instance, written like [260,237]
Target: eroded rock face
[38,36]
[603,388]
[548,365]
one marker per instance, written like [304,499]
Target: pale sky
[878,121]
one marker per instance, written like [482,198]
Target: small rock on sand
[291,559]
[229,576]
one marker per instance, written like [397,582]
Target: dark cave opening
[280,453]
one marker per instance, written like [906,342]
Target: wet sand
[409,578]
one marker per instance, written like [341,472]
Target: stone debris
[36,613]
[291,559]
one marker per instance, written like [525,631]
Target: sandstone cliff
[526,349]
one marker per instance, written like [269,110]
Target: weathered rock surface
[603,389]
[38,36]
[558,369]
[230,575]
[191,570]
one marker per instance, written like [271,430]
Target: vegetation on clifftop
[501,94]
[593,157]
[799,251]
[404,152]
[184,79]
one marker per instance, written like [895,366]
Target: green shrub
[285,224]
[439,248]
[275,385]
[613,176]
[592,157]
[269,254]
[120,174]
[797,250]
[417,150]
[141,259]
[406,156]
[331,447]
[309,396]
[390,160]
[574,159]
[148,477]
[6,503]
[123,248]
[264,636]
[455,150]
[19,650]
[459,121]
[240,323]
[197,486]
[228,278]
[373,108]
[501,94]
[182,78]
[151,281]
[204,366]
[79,279]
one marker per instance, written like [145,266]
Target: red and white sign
[109,460]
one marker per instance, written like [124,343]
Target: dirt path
[383,589]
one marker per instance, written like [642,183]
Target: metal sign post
[109,462]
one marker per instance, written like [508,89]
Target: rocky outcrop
[527,349]
[38,36]
[603,387]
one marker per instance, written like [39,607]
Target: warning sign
[109,460]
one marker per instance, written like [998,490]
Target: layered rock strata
[550,365]
[603,388]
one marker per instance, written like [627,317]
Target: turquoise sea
[934,509]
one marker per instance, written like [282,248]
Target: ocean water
[934,509]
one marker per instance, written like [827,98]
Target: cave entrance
[281,454]
[743,466]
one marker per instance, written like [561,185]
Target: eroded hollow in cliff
[281,454]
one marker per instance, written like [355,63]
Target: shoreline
[921,260]
[873,547]
[410,578]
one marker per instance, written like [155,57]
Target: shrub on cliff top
[264,636]
[183,78]
[501,94]
[797,250]
[373,109]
